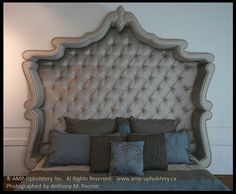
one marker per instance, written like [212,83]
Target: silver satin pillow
[151,126]
[90,126]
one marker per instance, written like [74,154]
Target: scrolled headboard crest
[117,70]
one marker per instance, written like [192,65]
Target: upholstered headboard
[118,70]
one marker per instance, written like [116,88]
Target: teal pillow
[127,158]
[123,125]
[177,150]
[68,149]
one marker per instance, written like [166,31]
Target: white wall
[205,26]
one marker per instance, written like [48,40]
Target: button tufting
[157,110]
[171,110]
[158,88]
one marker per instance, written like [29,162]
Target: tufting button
[172,88]
[171,110]
[165,100]
[143,110]
[186,88]
[128,110]
[157,110]
[179,77]
[166,78]
[178,99]
[158,89]
[151,78]
[121,99]
[186,67]
[165,55]
[105,99]
[172,67]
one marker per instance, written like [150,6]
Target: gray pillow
[126,158]
[154,152]
[90,126]
[177,149]
[68,149]
[101,151]
[152,125]
[123,125]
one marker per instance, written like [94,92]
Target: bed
[119,74]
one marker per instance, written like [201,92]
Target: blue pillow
[123,125]
[68,149]
[127,158]
[177,147]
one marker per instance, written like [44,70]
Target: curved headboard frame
[118,19]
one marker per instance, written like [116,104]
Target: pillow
[154,152]
[152,125]
[123,125]
[90,126]
[68,149]
[101,151]
[127,158]
[177,147]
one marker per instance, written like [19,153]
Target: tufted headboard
[118,70]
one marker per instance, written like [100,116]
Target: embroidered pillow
[127,158]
